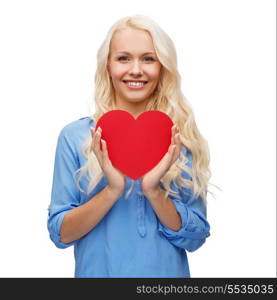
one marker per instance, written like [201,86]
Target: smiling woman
[116,233]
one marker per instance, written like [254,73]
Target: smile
[135,84]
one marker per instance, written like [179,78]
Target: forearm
[164,209]
[82,219]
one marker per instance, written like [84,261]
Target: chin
[137,100]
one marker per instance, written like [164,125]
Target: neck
[135,109]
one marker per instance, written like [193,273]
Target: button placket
[141,215]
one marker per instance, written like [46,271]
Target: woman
[120,227]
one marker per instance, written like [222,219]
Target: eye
[122,58]
[149,58]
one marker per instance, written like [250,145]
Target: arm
[164,209]
[80,220]
[195,227]
[193,212]
[68,220]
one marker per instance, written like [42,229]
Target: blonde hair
[167,98]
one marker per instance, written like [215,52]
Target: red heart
[135,146]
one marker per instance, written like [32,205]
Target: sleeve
[193,212]
[65,194]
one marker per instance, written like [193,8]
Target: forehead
[132,40]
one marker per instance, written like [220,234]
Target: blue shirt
[129,241]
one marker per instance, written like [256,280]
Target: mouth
[135,84]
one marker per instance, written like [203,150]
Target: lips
[126,81]
[137,85]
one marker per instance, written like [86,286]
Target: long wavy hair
[167,98]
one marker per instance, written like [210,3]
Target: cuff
[188,229]
[55,231]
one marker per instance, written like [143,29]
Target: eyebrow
[125,52]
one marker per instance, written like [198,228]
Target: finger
[172,156]
[97,139]
[168,156]
[96,146]
[176,147]
[172,150]
[173,132]
[164,163]
[105,150]
[173,128]
[167,159]
[174,139]
[175,155]
[92,131]
[177,139]
[177,151]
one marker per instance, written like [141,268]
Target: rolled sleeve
[194,231]
[195,227]
[65,195]
[54,227]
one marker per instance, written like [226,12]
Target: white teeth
[135,83]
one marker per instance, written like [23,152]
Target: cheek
[117,71]
[153,73]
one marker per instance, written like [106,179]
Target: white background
[226,57]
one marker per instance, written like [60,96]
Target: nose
[136,69]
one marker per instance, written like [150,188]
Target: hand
[115,177]
[150,180]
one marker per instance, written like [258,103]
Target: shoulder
[75,132]
[78,128]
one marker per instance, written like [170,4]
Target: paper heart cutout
[135,146]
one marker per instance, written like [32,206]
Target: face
[133,66]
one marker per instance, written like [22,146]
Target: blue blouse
[129,241]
